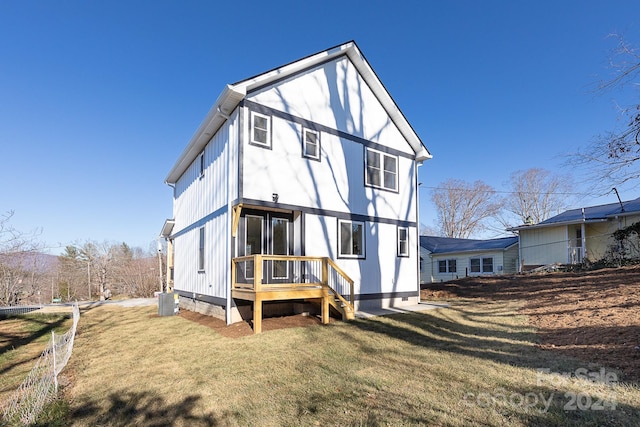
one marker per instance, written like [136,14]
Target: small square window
[260,129]
[311,143]
[403,241]
[351,239]
[474,265]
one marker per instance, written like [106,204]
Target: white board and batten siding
[333,99]
[203,201]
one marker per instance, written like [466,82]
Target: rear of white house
[310,159]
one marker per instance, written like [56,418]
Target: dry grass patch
[471,364]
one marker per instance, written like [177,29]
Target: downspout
[583,234]
[417,186]
[230,216]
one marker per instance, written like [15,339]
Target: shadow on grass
[144,409]
[478,333]
[36,327]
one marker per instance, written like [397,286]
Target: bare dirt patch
[593,316]
[243,329]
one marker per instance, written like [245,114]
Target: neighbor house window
[311,143]
[381,170]
[403,241]
[447,266]
[481,265]
[260,129]
[351,239]
[201,249]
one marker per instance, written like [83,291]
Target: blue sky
[97,99]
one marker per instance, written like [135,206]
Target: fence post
[53,352]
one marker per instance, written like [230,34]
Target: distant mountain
[31,261]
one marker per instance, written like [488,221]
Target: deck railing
[575,255]
[262,272]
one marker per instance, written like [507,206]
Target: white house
[445,258]
[575,235]
[301,182]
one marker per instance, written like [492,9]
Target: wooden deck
[298,285]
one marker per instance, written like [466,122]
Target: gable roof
[442,245]
[232,94]
[588,214]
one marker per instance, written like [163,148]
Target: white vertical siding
[335,95]
[382,271]
[202,201]
[336,182]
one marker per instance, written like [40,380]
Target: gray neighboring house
[445,258]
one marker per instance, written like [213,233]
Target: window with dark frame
[201,250]
[447,266]
[311,143]
[260,129]
[381,170]
[351,239]
[201,164]
[403,241]
[481,265]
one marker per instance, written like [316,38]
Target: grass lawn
[474,363]
[22,341]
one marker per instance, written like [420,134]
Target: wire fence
[41,385]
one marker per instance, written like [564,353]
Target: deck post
[257,315]
[325,305]
[257,273]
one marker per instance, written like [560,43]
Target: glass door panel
[253,240]
[280,246]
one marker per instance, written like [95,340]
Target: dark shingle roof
[592,213]
[439,245]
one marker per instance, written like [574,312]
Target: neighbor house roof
[588,214]
[233,94]
[442,245]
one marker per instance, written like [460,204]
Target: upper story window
[381,170]
[260,129]
[351,239]
[311,143]
[201,164]
[403,241]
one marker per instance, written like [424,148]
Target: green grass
[472,364]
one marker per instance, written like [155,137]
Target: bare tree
[463,207]
[73,274]
[611,159]
[536,194]
[20,272]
